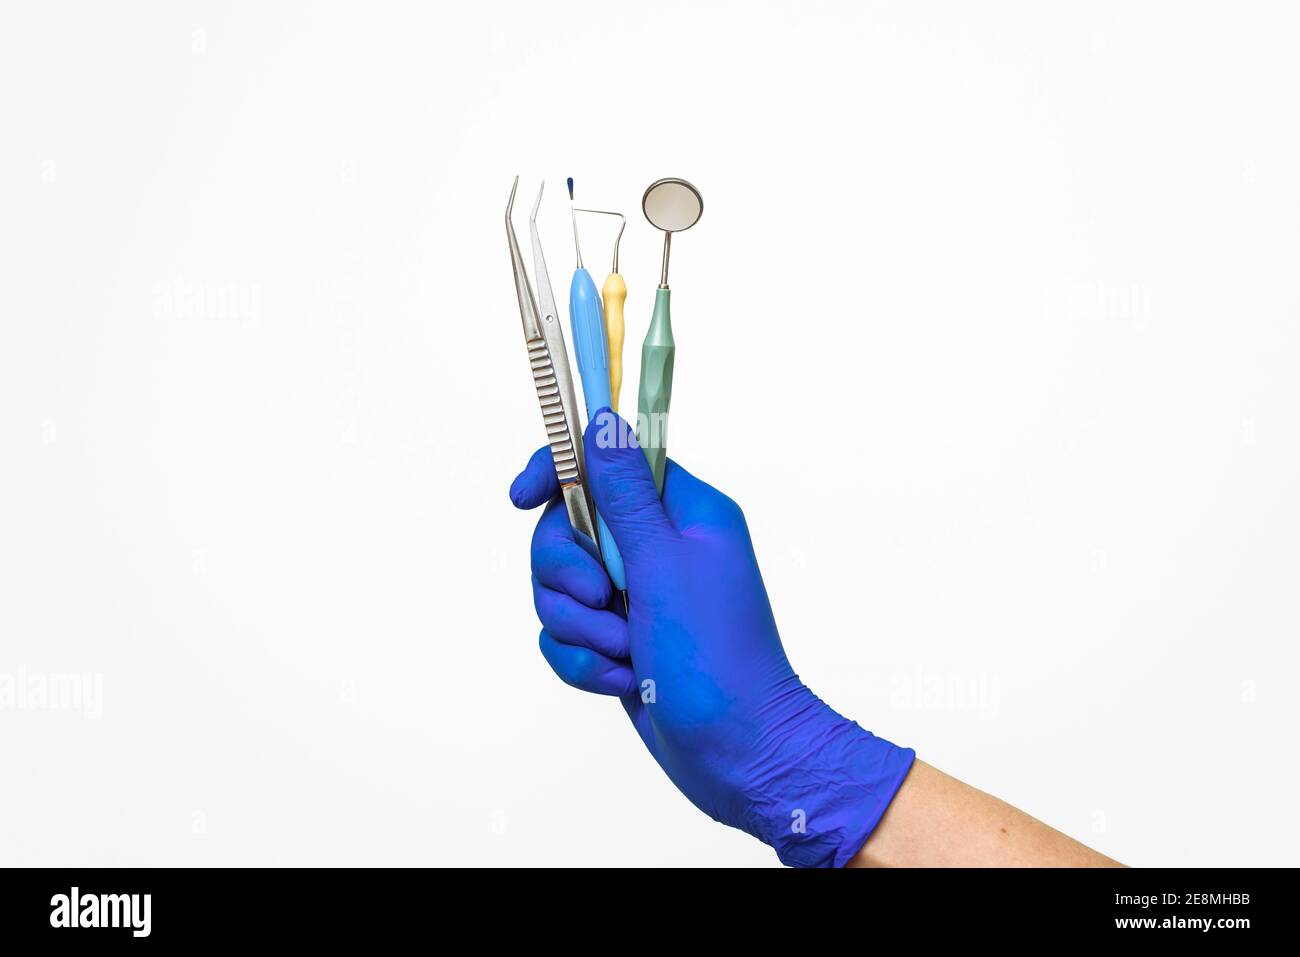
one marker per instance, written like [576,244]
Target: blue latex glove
[698,663]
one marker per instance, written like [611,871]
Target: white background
[990,323]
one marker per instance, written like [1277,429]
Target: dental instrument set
[596,324]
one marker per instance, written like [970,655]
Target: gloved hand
[698,663]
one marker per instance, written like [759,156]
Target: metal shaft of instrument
[613,295]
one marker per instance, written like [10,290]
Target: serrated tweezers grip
[558,428]
[553,381]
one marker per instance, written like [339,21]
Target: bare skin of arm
[937,821]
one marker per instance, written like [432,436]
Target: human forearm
[937,821]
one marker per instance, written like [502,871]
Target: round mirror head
[672,205]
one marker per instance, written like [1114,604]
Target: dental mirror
[671,205]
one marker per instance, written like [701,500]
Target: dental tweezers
[551,377]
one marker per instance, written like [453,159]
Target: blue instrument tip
[570,189]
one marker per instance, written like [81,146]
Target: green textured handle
[656,391]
